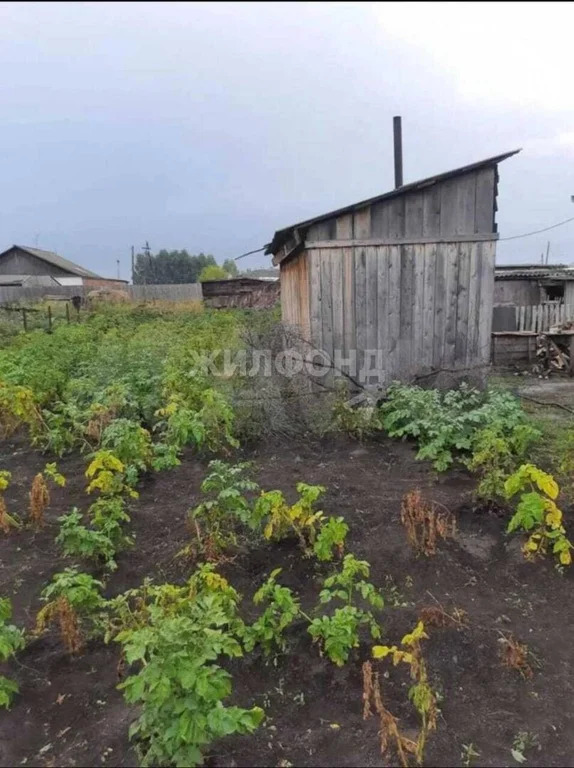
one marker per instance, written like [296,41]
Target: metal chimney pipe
[398,146]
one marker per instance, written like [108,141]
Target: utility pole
[147,252]
[547,251]
[133,264]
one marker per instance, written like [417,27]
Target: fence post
[49,319]
[24,320]
[68,312]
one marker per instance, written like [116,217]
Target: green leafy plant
[523,741]
[131,444]
[215,521]
[174,643]
[445,424]
[106,474]
[279,519]
[103,539]
[339,632]
[7,522]
[281,610]
[11,640]
[565,451]
[495,456]
[537,513]
[468,753]
[331,539]
[74,601]
[207,423]
[18,406]
[78,540]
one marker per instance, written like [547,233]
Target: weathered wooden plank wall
[426,306]
[463,205]
[295,306]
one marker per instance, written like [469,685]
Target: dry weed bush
[515,655]
[39,500]
[436,616]
[425,522]
[60,610]
[389,733]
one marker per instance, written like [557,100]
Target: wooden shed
[403,281]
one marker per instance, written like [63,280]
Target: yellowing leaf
[380,651]
[565,557]
[417,634]
[268,530]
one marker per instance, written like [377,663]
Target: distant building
[529,284]
[28,271]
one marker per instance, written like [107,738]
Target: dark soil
[69,712]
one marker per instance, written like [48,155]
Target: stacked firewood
[550,356]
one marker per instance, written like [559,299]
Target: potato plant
[7,521]
[216,521]
[338,632]
[174,643]
[538,514]
[444,425]
[11,641]
[282,608]
[73,601]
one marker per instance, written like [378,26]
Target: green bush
[444,424]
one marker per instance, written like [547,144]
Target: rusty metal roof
[281,235]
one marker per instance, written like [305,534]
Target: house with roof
[403,282]
[28,271]
[529,284]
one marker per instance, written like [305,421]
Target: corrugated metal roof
[281,235]
[534,272]
[55,260]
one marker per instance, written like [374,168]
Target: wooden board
[371,313]
[362,223]
[406,310]
[315,313]
[418,303]
[484,201]
[462,299]
[382,308]
[431,211]
[440,308]
[451,305]
[414,215]
[326,304]
[361,304]
[344,227]
[429,259]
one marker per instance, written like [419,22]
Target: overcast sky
[208,126]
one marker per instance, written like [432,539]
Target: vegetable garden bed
[69,712]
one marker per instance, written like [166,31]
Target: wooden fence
[179,292]
[542,317]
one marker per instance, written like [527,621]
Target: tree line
[171,267]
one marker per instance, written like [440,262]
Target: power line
[538,231]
